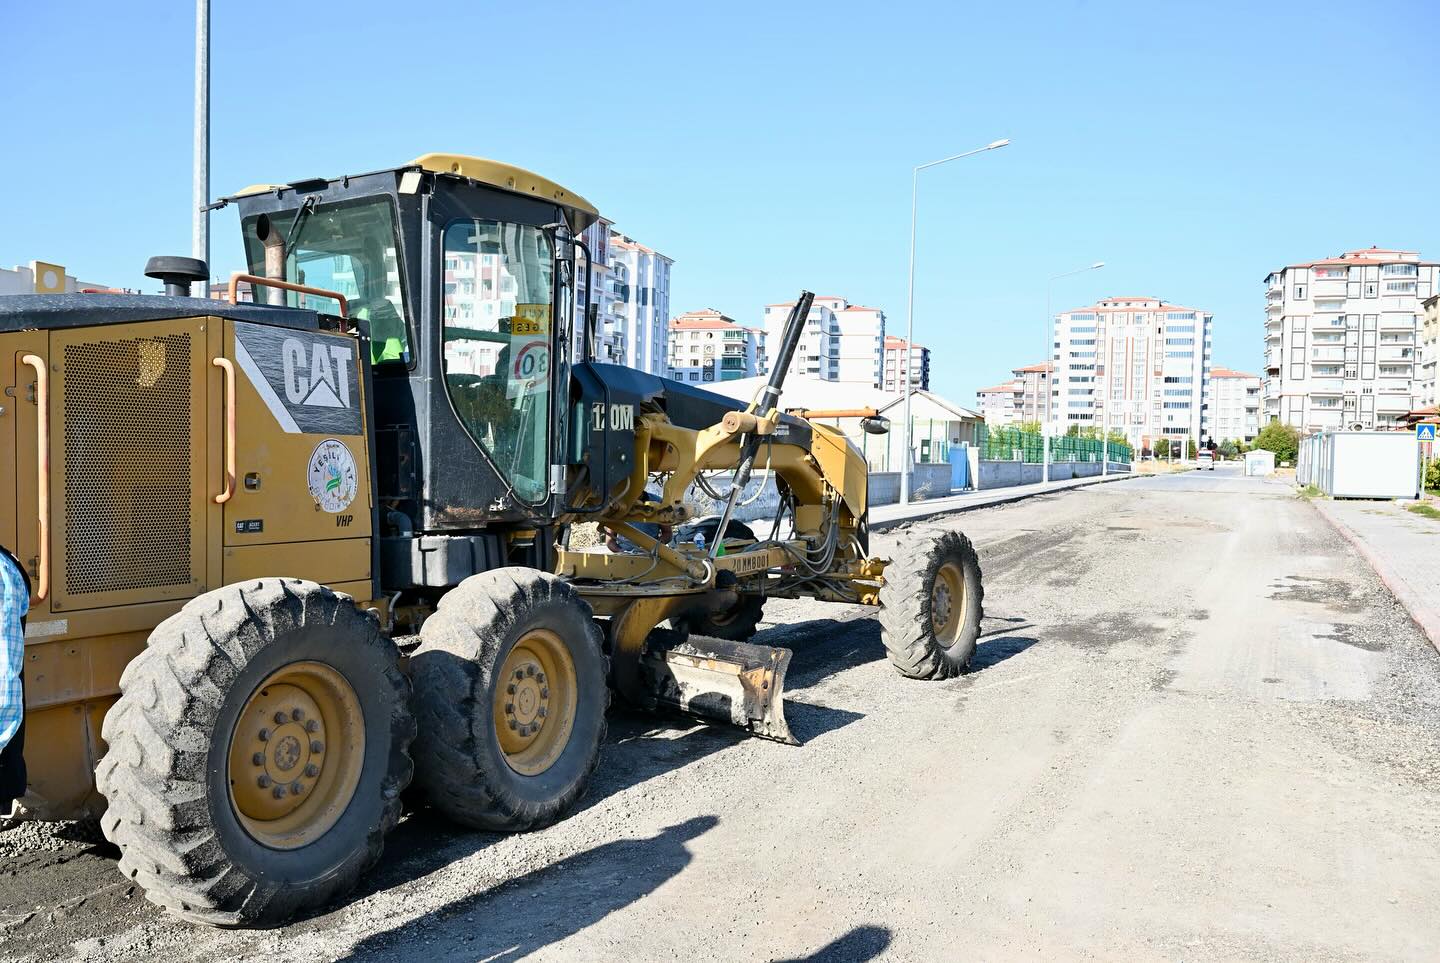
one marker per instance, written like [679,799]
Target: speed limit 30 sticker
[332,476]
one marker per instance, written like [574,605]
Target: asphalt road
[1196,728]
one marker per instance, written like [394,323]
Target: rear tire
[931,606]
[200,822]
[510,695]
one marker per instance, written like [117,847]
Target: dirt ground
[1196,728]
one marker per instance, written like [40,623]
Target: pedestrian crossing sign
[1424,432]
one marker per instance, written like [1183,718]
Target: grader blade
[733,682]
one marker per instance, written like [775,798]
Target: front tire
[510,695]
[256,754]
[931,607]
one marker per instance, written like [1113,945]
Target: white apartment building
[601,293]
[1002,404]
[892,376]
[842,342]
[706,347]
[1137,365]
[42,277]
[1341,337]
[640,304]
[1036,397]
[1429,344]
[1234,405]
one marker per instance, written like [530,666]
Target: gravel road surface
[1197,728]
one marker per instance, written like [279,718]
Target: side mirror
[876,425]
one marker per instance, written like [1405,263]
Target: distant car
[1205,460]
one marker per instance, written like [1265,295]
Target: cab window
[497,317]
[350,247]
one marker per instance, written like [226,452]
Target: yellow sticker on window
[531,321]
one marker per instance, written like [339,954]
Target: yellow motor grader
[288,553]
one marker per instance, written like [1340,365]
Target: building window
[1300,292]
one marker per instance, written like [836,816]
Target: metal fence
[1012,444]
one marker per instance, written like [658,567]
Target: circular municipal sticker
[332,476]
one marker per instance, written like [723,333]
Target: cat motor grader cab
[231,512]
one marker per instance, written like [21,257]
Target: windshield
[497,318]
[349,247]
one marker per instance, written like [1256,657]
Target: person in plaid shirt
[14,604]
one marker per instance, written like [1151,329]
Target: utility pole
[200,182]
[906,464]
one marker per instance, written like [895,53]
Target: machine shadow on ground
[542,907]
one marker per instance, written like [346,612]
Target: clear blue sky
[768,146]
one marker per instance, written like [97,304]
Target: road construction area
[1197,727]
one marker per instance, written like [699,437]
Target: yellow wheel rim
[296,753]
[535,702]
[948,603]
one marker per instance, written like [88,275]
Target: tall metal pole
[1039,377]
[906,460]
[200,182]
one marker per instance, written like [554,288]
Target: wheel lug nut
[530,671]
[264,735]
[316,745]
[540,677]
[519,673]
[281,718]
[296,788]
[312,726]
[509,708]
[510,689]
[514,724]
[263,782]
[297,714]
[258,759]
[279,792]
[545,693]
[540,712]
[312,770]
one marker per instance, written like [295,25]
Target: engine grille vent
[128,464]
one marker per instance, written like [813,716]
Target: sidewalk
[888,516]
[1401,547]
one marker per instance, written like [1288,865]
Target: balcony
[1397,322]
[1326,386]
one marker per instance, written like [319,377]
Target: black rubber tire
[458,760]
[165,774]
[740,623]
[905,625]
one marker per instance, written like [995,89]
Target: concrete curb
[880,526]
[1426,619]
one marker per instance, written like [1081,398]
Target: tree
[1229,448]
[1192,450]
[1281,439]
[1031,426]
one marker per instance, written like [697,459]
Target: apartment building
[1138,365]
[1429,344]
[639,278]
[1036,395]
[842,342]
[892,375]
[706,346]
[1341,336]
[1234,405]
[42,277]
[1002,404]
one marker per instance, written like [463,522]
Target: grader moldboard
[232,511]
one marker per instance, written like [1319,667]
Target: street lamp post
[1041,374]
[906,459]
[200,180]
